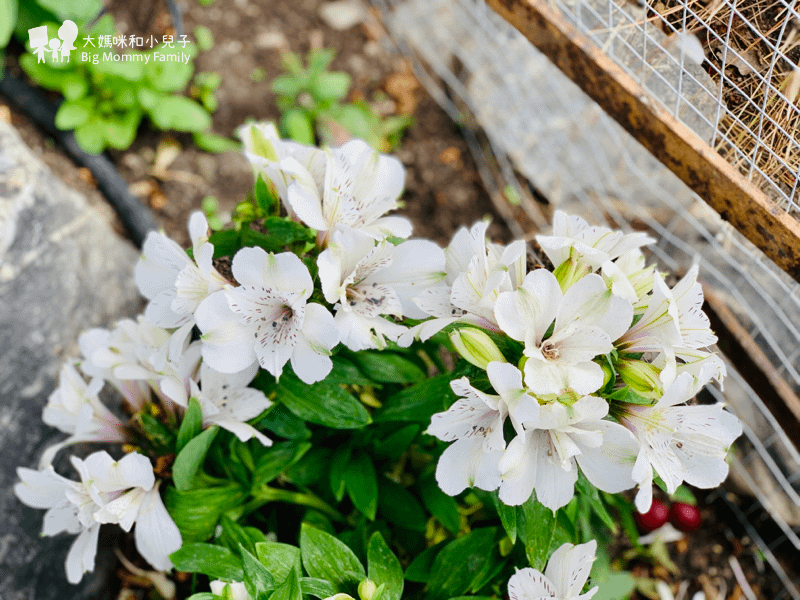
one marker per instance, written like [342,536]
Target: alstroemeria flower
[566,573]
[224,399]
[359,187]
[126,356]
[546,456]
[476,272]
[681,443]
[589,245]
[235,590]
[475,423]
[366,281]
[267,319]
[73,506]
[75,408]
[174,284]
[588,317]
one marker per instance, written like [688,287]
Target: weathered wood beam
[736,199]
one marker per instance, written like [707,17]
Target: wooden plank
[736,199]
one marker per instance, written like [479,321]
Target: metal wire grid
[632,36]
[453,44]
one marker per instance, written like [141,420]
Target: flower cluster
[592,363]
[610,355]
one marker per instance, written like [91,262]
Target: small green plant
[310,98]
[107,92]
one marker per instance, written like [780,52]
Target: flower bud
[366,589]
[476,347]
[608,373]
[643,378]
[260,145]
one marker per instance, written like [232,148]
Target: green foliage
[325,557]
[311,99]
[108,93]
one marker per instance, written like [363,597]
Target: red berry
[653,518]
[685,517]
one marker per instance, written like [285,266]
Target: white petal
[243,431]
[198,229]
[386,226]
[555,486]
[609,467]
[123,510]
[569,567]
[529,311]
[416,265]
[519,467]
[162,259]
[81,554]
[159,310]
[228,345]
[303,195]
[63,517]
[530,584]
[132,470]
[156,534]
[465,464]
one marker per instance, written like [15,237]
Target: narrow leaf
[384,568]
[326,557]
[215,561]
[362,484]
[540,522]
[191,425]
[191,458]
[278,559]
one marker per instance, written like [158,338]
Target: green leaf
[397,505]
[387,367]
[191,458]
[326,557]
[322,403]
[278,559]
[233,536]
[344,371]
[191,425]
[310,468]
[393,445]
[362,484]
[72,114]
[419,571]
[79,10]
[629,396]
[257,579]
[540,522]
[590,495]
[317,587]
[286,85]
[91,136]
[289,589]
[330,86]
[211,142]
[156,431]
[285,423]
[297,125]
[169,75]
[418,402]
[618,586]
[508,517]
[457,565]
[74,87]
[197,512]
[179,114]
[264,198]
[8,17]
[121,131]
[276,459]
[215,561]
[384,568]
[279,233]
[440,505]
[204,37]
[338,468]
[148,98]
[130,70]
[683,494]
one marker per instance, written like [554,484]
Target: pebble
[342,14]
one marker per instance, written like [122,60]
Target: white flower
[75,408]
[366,281]
[74,507]
[681,443]
[566,573]
[476,272]
[475,422]
[590,246]
[544,458]
[266,151]
[267,319]
[224,399]
[156,534]
[588,317]
[236,589]
[174,284]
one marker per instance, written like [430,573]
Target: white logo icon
[59,48]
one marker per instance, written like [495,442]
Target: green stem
[269,494]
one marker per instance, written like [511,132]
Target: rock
[62,270]
[342,14]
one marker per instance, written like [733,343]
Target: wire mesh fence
[531,128]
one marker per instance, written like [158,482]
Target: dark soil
[443,190]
